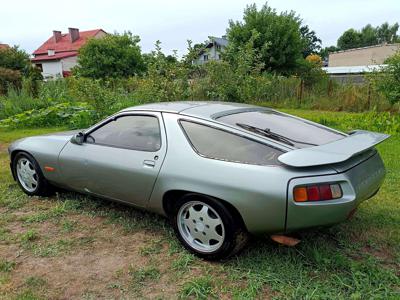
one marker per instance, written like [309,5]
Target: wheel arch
[13,154]
[171,195]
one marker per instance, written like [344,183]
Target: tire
[207,228]
[29,176]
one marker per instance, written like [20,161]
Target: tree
[387,34]
[113,56]
[350,39]
[15,67]
[193,51]
[14,59]
[368,36]
[324,53]
[279,43]
[309,70]
[157,62]
[312,44]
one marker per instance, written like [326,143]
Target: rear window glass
[301,133]
[218,144]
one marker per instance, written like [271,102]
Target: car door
[120,159]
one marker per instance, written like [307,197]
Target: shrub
[72,115]
[388,81]
[112,56]
[9,79]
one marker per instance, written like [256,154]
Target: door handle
[149,163]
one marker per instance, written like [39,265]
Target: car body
[215,151]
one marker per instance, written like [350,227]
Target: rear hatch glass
[284,128]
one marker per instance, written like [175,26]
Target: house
[4,46]
[59,54]
[212,51]
[351,65]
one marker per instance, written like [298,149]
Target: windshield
[300,133]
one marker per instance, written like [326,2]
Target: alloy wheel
[201,226]
[27,175]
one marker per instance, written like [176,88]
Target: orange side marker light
[49,169]
[300,194]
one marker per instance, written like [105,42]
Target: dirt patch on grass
[99,260]
[3,147]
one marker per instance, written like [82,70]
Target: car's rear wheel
[207,228]
[29,175]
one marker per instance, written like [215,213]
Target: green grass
[141,277]
[6,266]
[358,259]
[199,288]
[7,136]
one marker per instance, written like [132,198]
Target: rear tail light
[317,192]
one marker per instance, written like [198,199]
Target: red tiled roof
[56,56]
[64,44]
[4,46]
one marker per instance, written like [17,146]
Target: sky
[29,23]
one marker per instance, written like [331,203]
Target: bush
[72,115]
[388,80]
[112,56]
[9,79]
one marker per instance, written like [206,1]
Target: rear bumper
[358,184]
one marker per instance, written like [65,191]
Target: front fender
[44,149]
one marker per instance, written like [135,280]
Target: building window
[205,57]
[218,46]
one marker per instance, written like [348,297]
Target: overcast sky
[30,23]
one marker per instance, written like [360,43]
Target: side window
[131,132]
[222,145]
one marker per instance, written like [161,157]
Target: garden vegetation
[272,60]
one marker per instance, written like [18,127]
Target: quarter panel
[358,184]
[257,192]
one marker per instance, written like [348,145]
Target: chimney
[73,34]
[56,35]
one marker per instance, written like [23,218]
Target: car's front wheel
[207,228]
[29,175]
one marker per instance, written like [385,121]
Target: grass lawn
[75,247]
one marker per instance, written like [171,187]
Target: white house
[58,55]
[212,50]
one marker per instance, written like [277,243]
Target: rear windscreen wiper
[268,133]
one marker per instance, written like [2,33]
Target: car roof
[199,109]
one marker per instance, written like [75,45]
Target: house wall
[213,54]
[52,69]
[69,62]
[100,34]
[374,55]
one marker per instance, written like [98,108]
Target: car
[219,171]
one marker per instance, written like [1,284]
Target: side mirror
[78,138]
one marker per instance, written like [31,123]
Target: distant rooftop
[367,47]
[219,40]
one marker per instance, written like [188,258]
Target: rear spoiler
[335,152]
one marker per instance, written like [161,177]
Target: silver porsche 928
[218,170]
